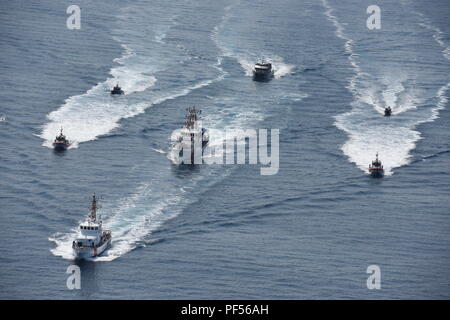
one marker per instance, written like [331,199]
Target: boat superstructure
[192,138]
[262,70]
[376,168]
[61,143]
[91,240]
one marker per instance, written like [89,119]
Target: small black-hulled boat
[387,112]
[262,71]
[117,90]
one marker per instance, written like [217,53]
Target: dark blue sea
[225,231]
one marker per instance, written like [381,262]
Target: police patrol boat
[192,131]
[376,168]
[61,143]
[91,240]
[117,90]
[262,71]
[387,112]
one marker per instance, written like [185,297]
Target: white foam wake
[390,91]
[159,151]
[134,74]
[438,36]
[392,143]
[96,113]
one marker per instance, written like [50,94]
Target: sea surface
[226,231]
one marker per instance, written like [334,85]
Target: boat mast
[94,207]
[60,133]
[193,115]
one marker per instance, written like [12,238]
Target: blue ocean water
[308,232]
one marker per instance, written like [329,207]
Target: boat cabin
[90,234]
[263,66]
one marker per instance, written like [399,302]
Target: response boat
[61,143]
[190,137]
[376,168]
[92,240]
[387,112]
[262,71]
[117,90]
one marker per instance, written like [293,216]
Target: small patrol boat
[387,112]
[92,240]
[117,90]
[376,169]
[61,143]
[262,71]
[190,137]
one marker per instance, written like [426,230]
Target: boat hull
[376,172]
[262,75]
[60,146]
[180,153]
[90,252]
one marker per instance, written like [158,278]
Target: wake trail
[96,113]
[247,59]
[134,219]
[369,133]
[438,36]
